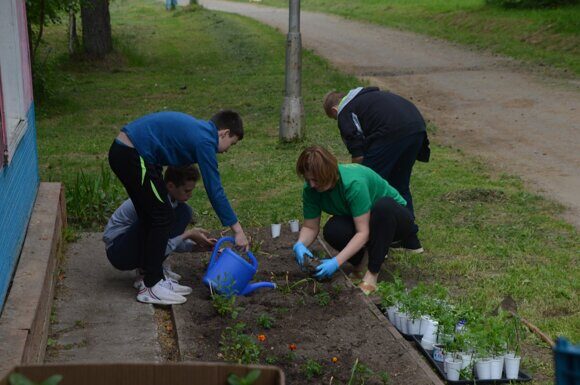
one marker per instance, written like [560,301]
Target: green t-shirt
[355,193]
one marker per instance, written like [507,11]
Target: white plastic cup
[466,360]
[427,344]
[391,313]
[496,368]
[438,354]
[414,326]
[512,366]
[483,369]
[294,225]
[453,368]
[276,227]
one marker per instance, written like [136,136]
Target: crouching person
[367,214]
[125,248]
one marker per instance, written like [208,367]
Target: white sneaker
[159,294]
[170,273]
[169,284]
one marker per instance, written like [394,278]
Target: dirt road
[521,122]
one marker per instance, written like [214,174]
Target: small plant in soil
[271,360]
[312,369]
[384,377]
[310,265]
[236,346]
[360,374]
[323,298]
[248,379]
[225,305]
[20,379]
[265,321]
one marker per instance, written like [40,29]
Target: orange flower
[261,337]
[334,360]
[292,347]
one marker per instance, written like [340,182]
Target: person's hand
[299,251]
[326,268]
[242,241]
[201,238]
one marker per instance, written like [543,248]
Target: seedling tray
[522,376]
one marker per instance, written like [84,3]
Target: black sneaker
[411,244]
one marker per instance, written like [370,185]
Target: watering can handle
[217,247]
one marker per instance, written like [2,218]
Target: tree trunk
[96,23]
[73,39]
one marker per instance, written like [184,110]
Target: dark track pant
[124,253]
[394,162]
[146,188]
[389,222]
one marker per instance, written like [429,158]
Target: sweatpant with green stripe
[146,188]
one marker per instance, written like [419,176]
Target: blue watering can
[230,274]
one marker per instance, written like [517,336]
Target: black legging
[146,188]
[389,222]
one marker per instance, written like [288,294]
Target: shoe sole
[139,285]
[158,302]
[152,299]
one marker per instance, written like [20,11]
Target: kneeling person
[367,213]
[121,235]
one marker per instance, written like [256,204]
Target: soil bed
[322,326]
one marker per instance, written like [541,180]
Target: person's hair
[181,175]
[229,120]
[320,164]
[332,99]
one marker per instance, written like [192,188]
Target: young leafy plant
[323,298]
[248,379]
[21,379]
[239,347]
[312,369]
[225,305]
[265,321]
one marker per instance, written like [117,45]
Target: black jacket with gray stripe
[368,117]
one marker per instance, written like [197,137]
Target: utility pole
[292,114]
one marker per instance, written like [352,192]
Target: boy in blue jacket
[137,156]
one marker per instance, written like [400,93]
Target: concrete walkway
[520,122]
[96,317]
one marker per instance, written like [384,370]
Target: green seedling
[359,374]
[384,377]
[312,369]
[20,379]
[323,298]
[236,346]
[265,321]
[225,305]
[248,379]
[271,360]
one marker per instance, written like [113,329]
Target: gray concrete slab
[96,316]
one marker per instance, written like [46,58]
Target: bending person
[367,214]
[121,235]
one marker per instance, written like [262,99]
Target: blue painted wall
[18,187]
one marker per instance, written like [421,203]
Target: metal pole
[292,114]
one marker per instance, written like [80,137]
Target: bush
[530,3]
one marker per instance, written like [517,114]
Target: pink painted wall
[24,52]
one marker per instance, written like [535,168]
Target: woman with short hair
[367,214]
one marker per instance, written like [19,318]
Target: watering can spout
[257,285]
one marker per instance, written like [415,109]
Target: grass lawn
[541,36]
[485,235]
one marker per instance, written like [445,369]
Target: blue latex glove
[326,268]
[299,251]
